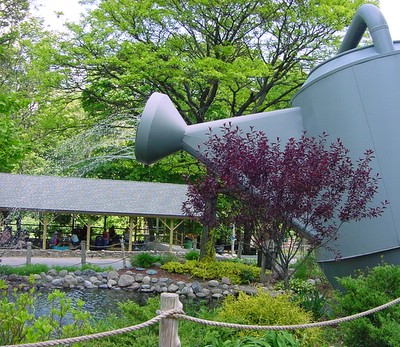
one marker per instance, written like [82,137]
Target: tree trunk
[203,242]
[207,245]
[210,247]
[263,275]
[246,241]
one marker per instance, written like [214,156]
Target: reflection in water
[100,303]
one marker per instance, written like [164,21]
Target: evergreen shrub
[144,259]
[367,290]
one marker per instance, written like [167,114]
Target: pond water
[100,303]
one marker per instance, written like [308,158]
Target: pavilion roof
[91,196]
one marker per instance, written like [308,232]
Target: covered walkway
[94,197]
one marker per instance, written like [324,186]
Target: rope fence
[171,311]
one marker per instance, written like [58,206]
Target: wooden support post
[240,249]
[168,333]
[88,232]
[83,253]
[123,253]
[130,233]
[171,235]
[44,236]
[28,253]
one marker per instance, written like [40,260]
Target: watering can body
[354,96]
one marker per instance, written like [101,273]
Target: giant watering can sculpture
[355,96]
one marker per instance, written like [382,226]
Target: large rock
[113,275]
[139,278]
[172,288]
[126,280]
[111,283]
[52,272]
[70,281]
[36,277]
[213,283]
[63,273]
[95,280]
[57,282]
[196,286]
[89,285]
[226,280]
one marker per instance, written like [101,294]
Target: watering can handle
[368,16]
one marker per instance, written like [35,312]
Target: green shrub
[19,325]
[308,297]
[306,268]
[263,309]
[271,339]
[167,258]
[192,255]
[144,259]
[207,270]
[373,288]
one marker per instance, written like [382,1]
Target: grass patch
[26,270]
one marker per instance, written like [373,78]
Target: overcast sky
[72,9]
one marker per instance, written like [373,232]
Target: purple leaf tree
[285,194]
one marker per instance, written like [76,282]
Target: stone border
[144,281]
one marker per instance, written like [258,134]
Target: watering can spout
[162,131]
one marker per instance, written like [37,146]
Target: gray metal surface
[91,196]
[162,131]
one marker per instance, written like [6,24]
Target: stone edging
[140,281]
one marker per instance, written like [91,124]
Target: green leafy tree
[11,146]
[29,84]
[213,58]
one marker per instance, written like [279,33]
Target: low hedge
[207,270]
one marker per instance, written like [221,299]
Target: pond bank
[139,280]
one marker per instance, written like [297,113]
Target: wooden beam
[171,227]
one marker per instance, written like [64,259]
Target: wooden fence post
[168,333]
[28,253]
[83,253]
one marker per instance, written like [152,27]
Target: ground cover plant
[238,273]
